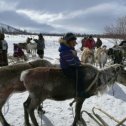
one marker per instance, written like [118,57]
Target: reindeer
[101,56]
[32,48]
[10,81]
[51,83]
[87,56]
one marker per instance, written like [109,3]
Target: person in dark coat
[3,50]
[40,45]
[70,63]
[98,43]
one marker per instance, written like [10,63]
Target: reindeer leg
[2,102]
[33,104]
[78,107]
[100,65]
[26,116]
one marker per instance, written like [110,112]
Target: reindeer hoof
[41,112]
[6,124]
[28,125]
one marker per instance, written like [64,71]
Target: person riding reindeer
[70,63]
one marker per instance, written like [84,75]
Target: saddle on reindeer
[51,83]
[18,52]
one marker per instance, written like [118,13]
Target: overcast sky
[81,16]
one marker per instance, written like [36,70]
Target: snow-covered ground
[59,113]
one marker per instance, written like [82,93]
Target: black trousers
[77,74]
[3,58]
[40,53]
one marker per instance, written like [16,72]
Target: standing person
[98,43]
[90,43]
[40,45]
[83,43]
[70,63]
[3,50]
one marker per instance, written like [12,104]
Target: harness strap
[93,82]
[76,80]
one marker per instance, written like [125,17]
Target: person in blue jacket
[70,63]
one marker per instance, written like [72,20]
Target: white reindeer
[87,56]
[32,48]
[101,56]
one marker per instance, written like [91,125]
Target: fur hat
[69,36]
[61,40]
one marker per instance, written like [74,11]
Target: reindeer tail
[23,74]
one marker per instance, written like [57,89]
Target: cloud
[7,6]
[62,16]
[23,22]
[41,17]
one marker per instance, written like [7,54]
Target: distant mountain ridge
[10,30]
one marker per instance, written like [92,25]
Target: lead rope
[90,86]
[76,81]
[93,82]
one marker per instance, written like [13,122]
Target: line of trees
[117,30]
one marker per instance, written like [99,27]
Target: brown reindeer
[50,83]
[10,81]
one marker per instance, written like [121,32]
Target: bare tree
[117,30]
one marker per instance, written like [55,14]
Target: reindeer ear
[118,68]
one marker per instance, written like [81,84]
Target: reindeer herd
[102,56]
[44,80]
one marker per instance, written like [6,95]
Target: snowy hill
[9,29]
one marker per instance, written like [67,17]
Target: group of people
[18,52]
[89,42]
